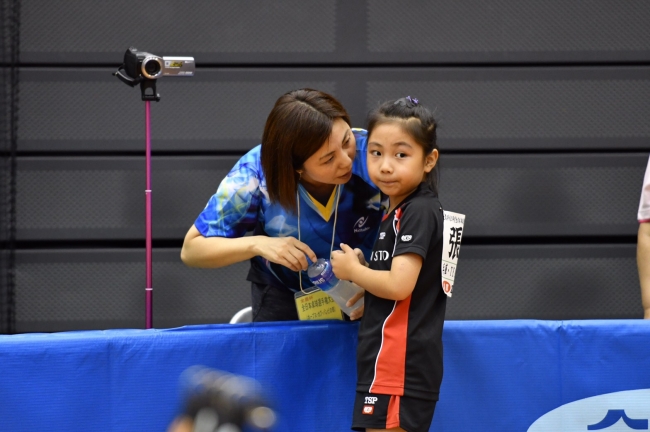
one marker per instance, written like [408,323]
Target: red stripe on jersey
[398,217]
[390,366]
[392,418]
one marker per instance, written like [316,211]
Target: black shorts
[377,411]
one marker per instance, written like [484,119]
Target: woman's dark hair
[415,120]
[298,125]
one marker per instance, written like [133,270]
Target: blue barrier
[499,375]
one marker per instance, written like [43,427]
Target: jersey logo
[382,235]
[368,409]
[370,400]
[359,225]
[379,256]
[406,238]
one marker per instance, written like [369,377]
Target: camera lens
[151,67]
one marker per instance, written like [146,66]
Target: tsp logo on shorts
[369,408]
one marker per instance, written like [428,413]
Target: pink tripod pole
[149,287]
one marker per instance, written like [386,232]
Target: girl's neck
[392,206]
[394,202]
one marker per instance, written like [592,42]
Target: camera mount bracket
[145,84]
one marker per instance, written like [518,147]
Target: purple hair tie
[407,101]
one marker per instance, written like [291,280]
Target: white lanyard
[336,210]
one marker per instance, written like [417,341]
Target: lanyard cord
[336,211]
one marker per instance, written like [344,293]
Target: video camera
[218,401]
[144,68]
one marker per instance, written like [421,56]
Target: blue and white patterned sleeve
[360,165]
[233,210]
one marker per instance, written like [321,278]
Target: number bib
[314,304]
[451,237]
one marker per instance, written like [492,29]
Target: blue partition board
[514,375]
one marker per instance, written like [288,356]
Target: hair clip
[407,101]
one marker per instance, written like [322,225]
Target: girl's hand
[286,251]
[362,259]
[344,262]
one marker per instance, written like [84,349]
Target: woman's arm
[643,264]
[214,252]
[394,284]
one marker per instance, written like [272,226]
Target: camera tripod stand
[144,68]
[145,85]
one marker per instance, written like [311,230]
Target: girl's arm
[214,252]
[394,284]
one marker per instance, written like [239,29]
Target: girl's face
[396,162]
[332,163]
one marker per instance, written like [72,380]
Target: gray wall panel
[91,110]
[528,108]
[502,195]
[544,195]
[61,290]
[103,198]
[506,30]
[102,288]
[543,127]
[546,282]
[478,109]
[87,31]
[310,31]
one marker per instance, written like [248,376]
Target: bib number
[452,235]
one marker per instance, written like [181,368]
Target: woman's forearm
[643,263]
[214,252]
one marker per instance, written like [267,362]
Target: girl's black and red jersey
[400,342]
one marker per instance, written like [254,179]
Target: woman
[303,190]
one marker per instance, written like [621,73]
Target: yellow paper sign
[314,304]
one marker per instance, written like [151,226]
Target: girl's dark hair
[416,120]
[298,125]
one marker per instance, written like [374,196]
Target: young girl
[399,356]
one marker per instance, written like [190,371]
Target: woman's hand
[286,251]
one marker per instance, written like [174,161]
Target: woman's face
[332,162]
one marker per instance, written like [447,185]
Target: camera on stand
[144,68]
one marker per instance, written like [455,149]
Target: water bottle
[320,273]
